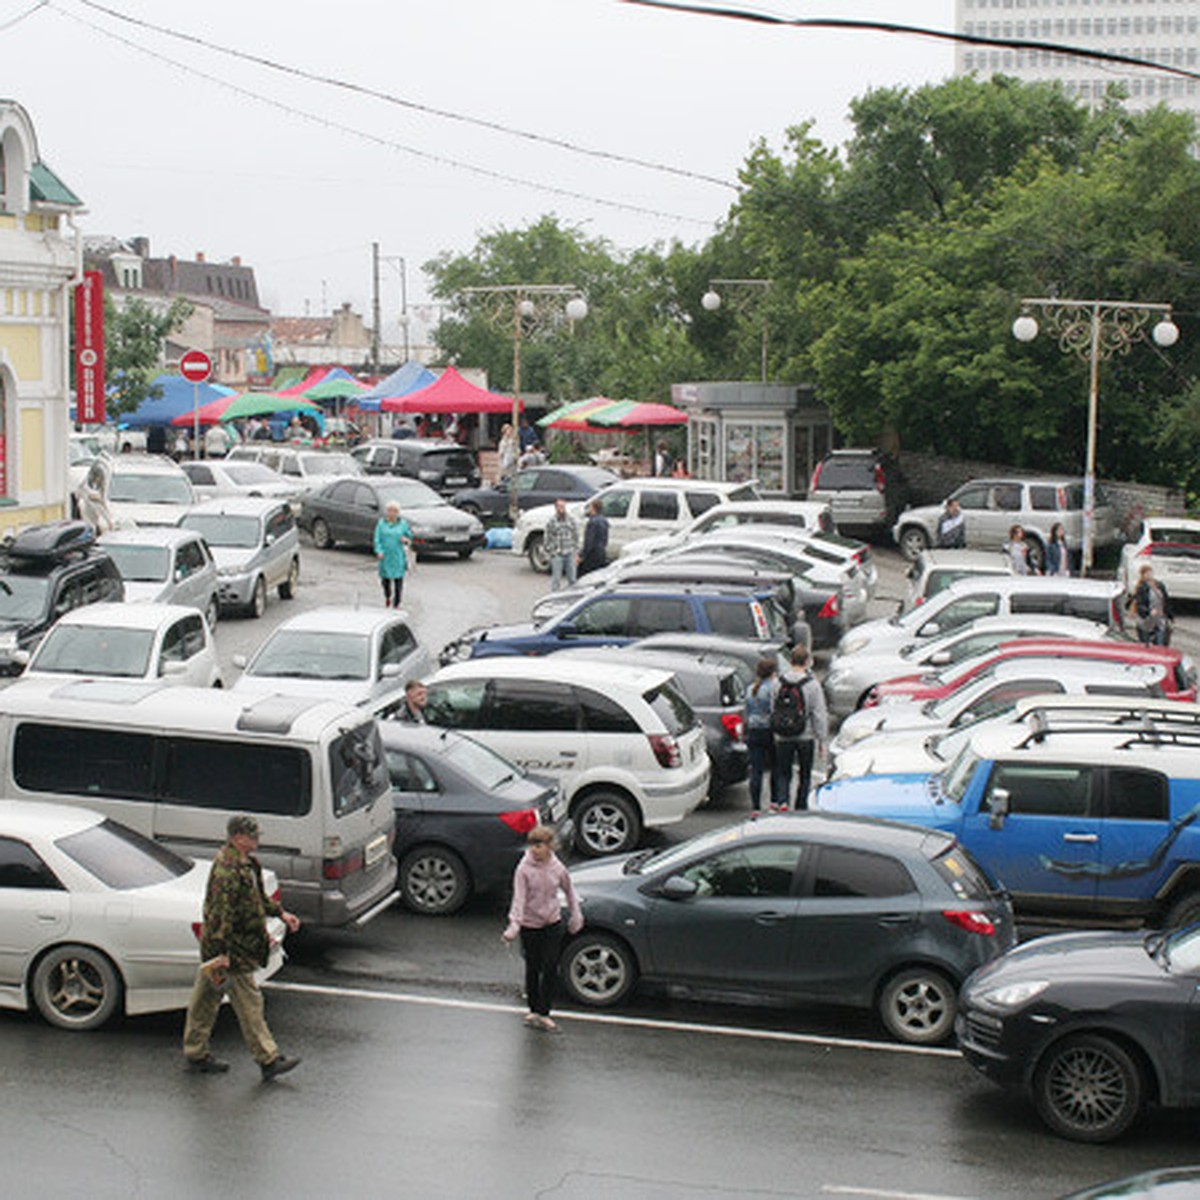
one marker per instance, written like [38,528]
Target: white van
[175,763]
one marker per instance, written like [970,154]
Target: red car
[1179,671]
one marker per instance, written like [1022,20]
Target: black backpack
[789,716]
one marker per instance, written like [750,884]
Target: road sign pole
[195,421]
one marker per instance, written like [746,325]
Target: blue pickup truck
[1085,826]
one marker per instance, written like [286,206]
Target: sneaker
[207,1065]
[548,1025]
[278,1066]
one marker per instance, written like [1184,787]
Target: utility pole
[375,318]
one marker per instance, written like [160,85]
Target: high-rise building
[1166,32]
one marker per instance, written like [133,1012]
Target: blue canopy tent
[178,397]
[411,377]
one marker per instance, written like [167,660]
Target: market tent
[411,377]
[450,393]
[178,396]
[209,413]
[573,417]
[633,414]
[334,390]
[264,404]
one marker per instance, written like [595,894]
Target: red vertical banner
[89,349]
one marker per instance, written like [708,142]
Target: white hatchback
[1171,545]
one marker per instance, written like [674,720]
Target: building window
[3,185]
[3,439]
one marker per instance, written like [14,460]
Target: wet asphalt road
[420,1080]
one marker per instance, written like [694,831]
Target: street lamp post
[747,292]
[1094,330]
[528,307]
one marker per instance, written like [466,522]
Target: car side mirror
[174,667]
[239,661]
[940,659]
[567,629]
[998,804]
[390,670]
[931,630]
[20,657]
[678,888]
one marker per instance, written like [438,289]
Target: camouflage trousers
[245,998]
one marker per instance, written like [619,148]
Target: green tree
[134,334]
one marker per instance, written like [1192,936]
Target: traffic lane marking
[732,1031]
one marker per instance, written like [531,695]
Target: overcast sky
[301,180]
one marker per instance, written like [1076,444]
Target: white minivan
[175,763]
[626,746]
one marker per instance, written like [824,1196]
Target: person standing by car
[594,555]
[1017,549]
[233,945]
[393,541]
[760,702]
[664,461]
[506,451]
[800,723]
[562,545]
[536,917]
[413,708]
[1058,557]
[1153,607]
[952,527]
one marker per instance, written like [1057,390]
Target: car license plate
[456,480]
[376,849]
[456,537]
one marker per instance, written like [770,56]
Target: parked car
[133,640]
[360,656]
[462,813]
[82,450]
[46,571]
[306,469]
[439,463]
[533,486]
[865,489]
[165,565]
[347,510]
[1171,545]
[133,489]
[1081,824]
[1093,1028]
[212,478]
[116,915]
[935,570]
[992,506]
[804,907]
[747,651]
[626,747]
[634,508]
[256,546]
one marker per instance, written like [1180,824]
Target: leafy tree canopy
[134,334]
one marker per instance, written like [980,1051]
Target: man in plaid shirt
[562,545]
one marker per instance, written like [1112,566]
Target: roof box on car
[55,540]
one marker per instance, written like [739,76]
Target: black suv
[864,489]
[444,465]
[46,571]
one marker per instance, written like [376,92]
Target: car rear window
[671,709]
[448,460]
[122,858]
[962,874]
[1175,537]
[845,474]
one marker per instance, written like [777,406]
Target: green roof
[45,186]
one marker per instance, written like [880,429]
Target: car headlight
[475,529]
[853,646]
[1013,995]
[8,642]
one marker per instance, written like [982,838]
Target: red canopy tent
[449,393]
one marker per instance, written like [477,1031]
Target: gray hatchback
[864,913]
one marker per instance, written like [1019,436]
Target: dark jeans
[393,589]
[761,744]
[541,948]
[801,753]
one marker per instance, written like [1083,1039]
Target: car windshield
[958,775]
[248,473]
[675,856]
[132,488]
[140,564]
[221,529]
[330,464]
[313,654]
[95,650]
[121,858]
[486,767]
[409,495]
[23,597]
[78,454]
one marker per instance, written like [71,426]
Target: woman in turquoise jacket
[393,541]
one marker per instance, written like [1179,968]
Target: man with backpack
[800,724]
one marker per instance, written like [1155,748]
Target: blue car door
[1139,846]
[1046,849]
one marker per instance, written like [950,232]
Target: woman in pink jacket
[536,914]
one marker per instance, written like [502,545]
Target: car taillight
[198,929]
[972,922]
[1144,552]
[816,479]
[666,749]
[871,699]
[520,820]
[831,607]
[878,478]
[339,868]
[734,725]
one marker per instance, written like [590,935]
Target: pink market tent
[449,393]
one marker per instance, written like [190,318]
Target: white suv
[635,508]
[120,490]
[627,748]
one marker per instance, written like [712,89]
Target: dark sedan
[1092,1026]
[863,913]
[462,813]
[534,486]
[347,510]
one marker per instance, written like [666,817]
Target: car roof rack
[54,542]
[1141,728]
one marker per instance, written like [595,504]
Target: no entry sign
[195,366]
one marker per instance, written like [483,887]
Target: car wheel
[212,612]
[539,560]
[913,540]
[1183,912]
[76,987]
[287,589]
[434,881]
[258,598]
[606,823]
[598,970]
[1036,553]
[918,1006]
[320,535]
[1088,1088]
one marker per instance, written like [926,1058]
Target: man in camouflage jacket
[234,943]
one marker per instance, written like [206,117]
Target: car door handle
[569,753]
[1087,838]
[894,919]
[49,918]
[770,917]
